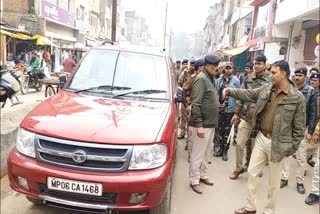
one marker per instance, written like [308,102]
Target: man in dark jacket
[280,117]
[311,122]
[202,122]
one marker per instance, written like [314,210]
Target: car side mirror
[179,95]
[62,81]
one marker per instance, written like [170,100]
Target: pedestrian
[226,110]
[244,111]
[203,122]
[248,69]
[69,64]
[311,122]
[280,118]
[313,197]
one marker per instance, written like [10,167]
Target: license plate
[74,186]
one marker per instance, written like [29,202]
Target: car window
[136,71]
[96,69]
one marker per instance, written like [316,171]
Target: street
[222,198]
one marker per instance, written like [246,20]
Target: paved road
[222,198]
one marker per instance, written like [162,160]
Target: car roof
[132,48]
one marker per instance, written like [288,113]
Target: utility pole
[165,28]
[114,21]
[170,42]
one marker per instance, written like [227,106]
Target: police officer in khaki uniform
[280,118]
[311,122]
[245,110]
[182,108]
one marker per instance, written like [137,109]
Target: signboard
[57,10]
[318,38]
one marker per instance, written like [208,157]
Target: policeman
[245,110]
[187,88]
[177,68]
[311,122]
[203,122]
[248,69]
[183,70]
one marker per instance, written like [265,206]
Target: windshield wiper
[106,87]
[148,91]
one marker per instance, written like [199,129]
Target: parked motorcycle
[18,75]
[29,80]
[9,87]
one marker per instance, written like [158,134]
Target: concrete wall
[291,9]
[297,47]
[271,51]
[12,10]
[10,121]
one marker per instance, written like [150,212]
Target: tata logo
[79,156]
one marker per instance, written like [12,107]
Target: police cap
[199,62]
[192,62]
[212,59]
[316,75]
[184,61]
[301,70]
[178,61]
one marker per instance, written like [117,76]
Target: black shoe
[180,136]
[300,189]
[225,155]
[294,156]
[311,162]
[218,154]
[283,183]
[312,199]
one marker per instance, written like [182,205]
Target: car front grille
[94,157]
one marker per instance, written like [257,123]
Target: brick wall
[13,9]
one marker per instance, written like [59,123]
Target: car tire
[165,206]
[36,201]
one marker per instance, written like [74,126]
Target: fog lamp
[136,198]
[23,182]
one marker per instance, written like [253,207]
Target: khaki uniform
[183,113]
[280,138]
[245,111]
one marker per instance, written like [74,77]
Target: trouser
[236,127]
[301,162]
[243,135]
[261,155]
[315,178]
[198,166]
[183,116]
[224,130]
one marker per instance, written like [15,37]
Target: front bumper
[153,182]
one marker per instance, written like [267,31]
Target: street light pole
[114,21]
[165,28]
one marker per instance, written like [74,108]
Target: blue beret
[212,59]
[301,70]
[317,75]
[199,62]
[178,61]
[192,62]
[249,65]
[184,61]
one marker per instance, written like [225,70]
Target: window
[263,13]
[119,68]
[93,19]
[80,13]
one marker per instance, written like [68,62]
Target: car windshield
[126,71]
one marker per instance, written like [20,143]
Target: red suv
[107,141]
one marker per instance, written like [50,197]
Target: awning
[235,51]
[41,40]
[16,35]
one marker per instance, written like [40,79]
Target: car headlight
[148,156]
[25,142]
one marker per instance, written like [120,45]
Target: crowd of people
[269,113]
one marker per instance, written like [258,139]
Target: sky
[183,16]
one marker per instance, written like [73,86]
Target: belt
[266,134]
